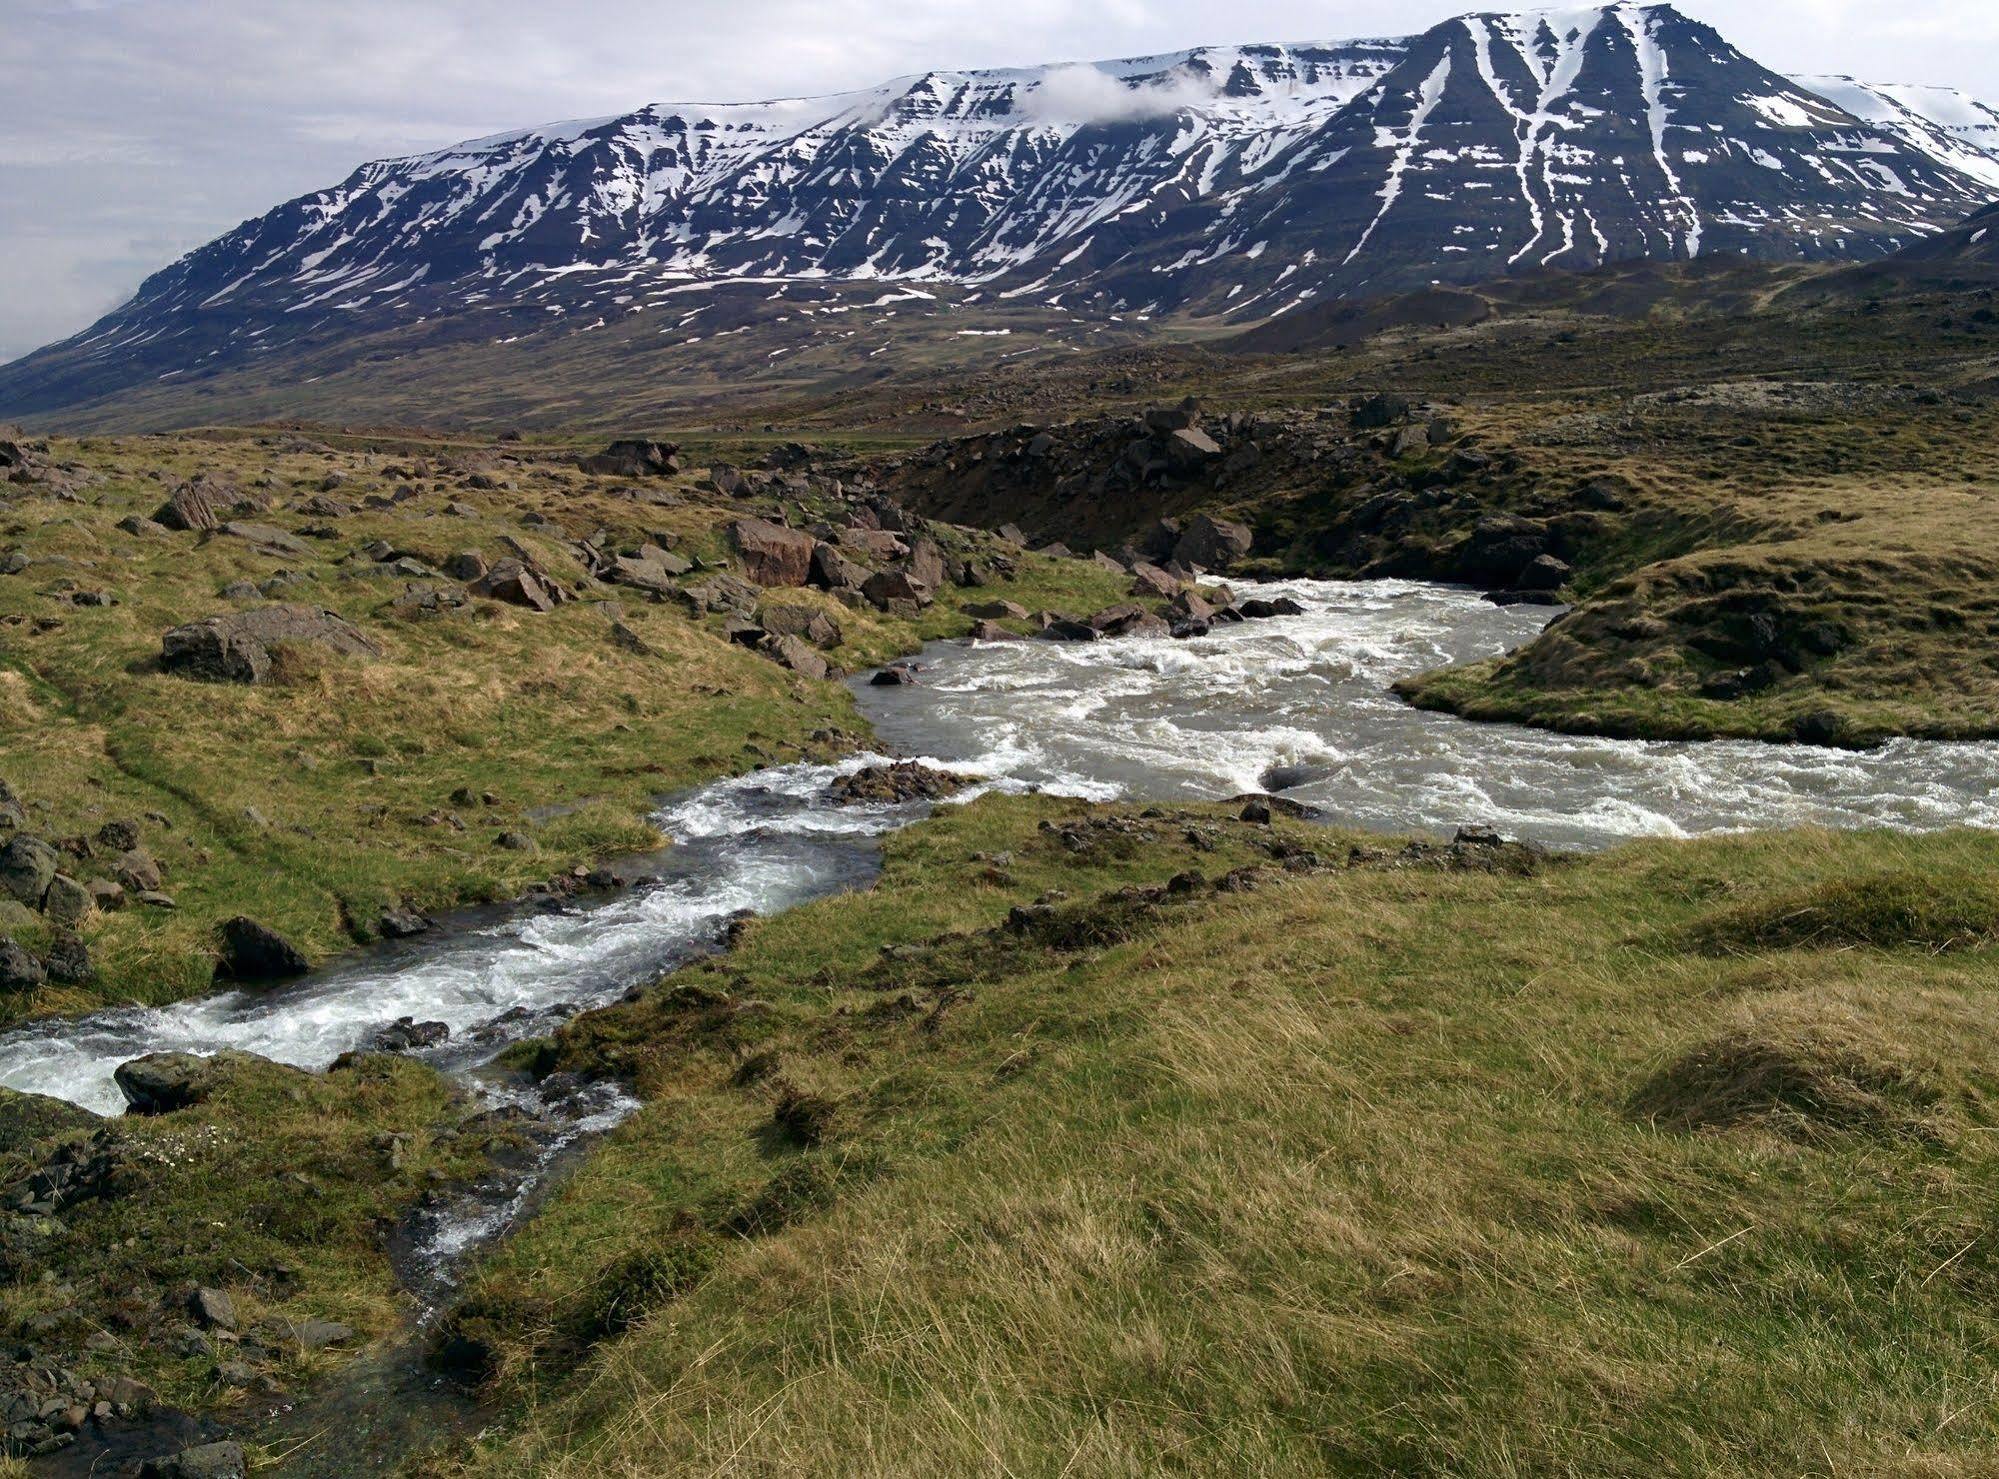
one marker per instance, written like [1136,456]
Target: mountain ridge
[1222,182]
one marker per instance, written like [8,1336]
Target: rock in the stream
[902,781]
[253,952]
[238,647]
[401,924]
[407,1035]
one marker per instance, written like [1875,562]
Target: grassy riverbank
[1676,1157]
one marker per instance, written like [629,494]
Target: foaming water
[761,843]
[1309,695]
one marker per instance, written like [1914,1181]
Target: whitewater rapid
[1227,713]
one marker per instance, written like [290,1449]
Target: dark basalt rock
[902,781]
[252,953]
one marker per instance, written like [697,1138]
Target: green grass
[1378,1167]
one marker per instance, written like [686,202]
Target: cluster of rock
[897,783]
[44,1405]
[53,886]
[26,464]
[1400,488]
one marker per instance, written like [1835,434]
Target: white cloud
[1082,94]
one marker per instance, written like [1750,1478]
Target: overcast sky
[134,130]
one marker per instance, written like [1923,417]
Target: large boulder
[926,563]
[634,458]
[511,581]
[835,572]
[794,653]
[1190,447]
[1211,543]
[253,952]
[28,866]
[771,553]
[809,622]
[161,1083]
[887,587]
[238,647]
[1501,548]
[189,507]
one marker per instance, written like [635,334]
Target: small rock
[213,1309]
[27,868]
[400,924]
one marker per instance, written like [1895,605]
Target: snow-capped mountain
[1237,181]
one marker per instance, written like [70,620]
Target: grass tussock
[1886,911]
[1805,1083]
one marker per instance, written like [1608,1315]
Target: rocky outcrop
[239,647]
[516,584]
[1212,544]
[634,458]
[161,1083]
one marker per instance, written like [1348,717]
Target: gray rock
[67,901]
[772,555]
[213,1309]
[160,1083]
[238,647]
[27,868]
[68,962]
[137,872]
[1211,543]
[204,1461]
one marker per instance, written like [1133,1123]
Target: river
[1298,703]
